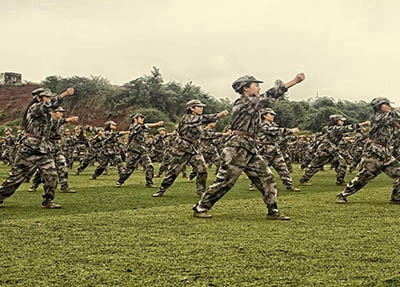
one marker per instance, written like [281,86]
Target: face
[386,108]
[269,117]
[197,110]
[340,123]
[45,99]
[58,115]
[77,131]
[139,120]
[254,89]
[113,127]
[101,132]
[162,132]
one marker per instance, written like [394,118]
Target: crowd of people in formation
[44,151]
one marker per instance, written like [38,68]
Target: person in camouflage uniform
[189,132]
[56,126]
[137,152]
[378,151]
[167,156]
[68,146]
[110,152]
[10,147]
[35,150]
[81,144]
[269,134]
[159,143]
[328,149]
[96,146]
[357,148]
[240,152]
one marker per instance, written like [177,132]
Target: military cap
[37,91]
[78,127]
[138,115]
[242,81]
[109,123]
[161,129]
[194,103]
[337,117]
[379,101]
[59,109]
[267,111]
[46,93]
[8,129]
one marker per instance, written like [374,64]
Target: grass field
[105,236]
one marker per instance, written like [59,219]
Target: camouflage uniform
[167,156]
[67,147]
[184,151]
[35,152]
[269,134]
[137,152]
[327,151]
[377,155]
[158,147]
[241,154]
[81,144]
[9,149]
[96,146]
[110,153]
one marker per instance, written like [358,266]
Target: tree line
[160,100]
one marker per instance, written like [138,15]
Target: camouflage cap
[46,93]
[138,115]
[242,81]
[267,111]
[161,129]
[379,101]
[194,103]
[37,91]
[8,129]
[78,127]
[337,117]
[109,123]
[59,109]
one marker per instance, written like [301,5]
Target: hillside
[14,99]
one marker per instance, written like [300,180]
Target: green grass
[105,236]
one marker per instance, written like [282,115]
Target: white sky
[349,49]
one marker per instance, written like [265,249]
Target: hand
[160,123]
[73,119]
[70,91]
[300,77]
[366,123]
[295,130]
[223,113]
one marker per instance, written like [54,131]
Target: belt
[378,143]
[188,140]
[34,136]
[240,133]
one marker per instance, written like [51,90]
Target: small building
[10,79]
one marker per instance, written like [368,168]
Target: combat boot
[66,189]
[277,216]
[151,185]
[158,194]
[274,214]
[305,183]
[203,214]
[50,205]
[32,189]
[292,188]
[341,199]
[118,184]
[93,177]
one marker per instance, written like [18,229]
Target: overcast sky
[348,49]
